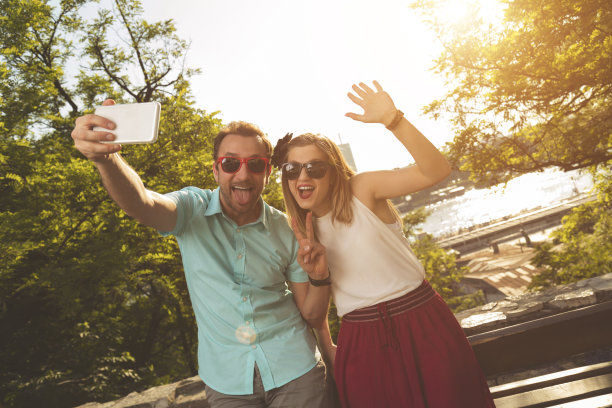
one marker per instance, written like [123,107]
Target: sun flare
[458,12]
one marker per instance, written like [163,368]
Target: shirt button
[253,346]
[238,230]
[247,322]
[239,256]
[244,299]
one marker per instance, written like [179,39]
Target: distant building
[345,148]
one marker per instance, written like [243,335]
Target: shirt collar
[214,207]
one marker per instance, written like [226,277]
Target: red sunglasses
[233,164]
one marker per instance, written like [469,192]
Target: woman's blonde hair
[340,173]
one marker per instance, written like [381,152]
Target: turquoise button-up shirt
[237,280]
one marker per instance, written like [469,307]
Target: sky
[288,66]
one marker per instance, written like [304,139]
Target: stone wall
[190,393]
[187,393]
[533,305]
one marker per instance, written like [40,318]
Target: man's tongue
[242,195]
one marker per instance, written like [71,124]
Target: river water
[524,193]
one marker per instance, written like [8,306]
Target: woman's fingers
[359,91]
[366,88]
[305,251]
[355,99]
[296,231]
[309,228]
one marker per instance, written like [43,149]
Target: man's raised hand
[87,140]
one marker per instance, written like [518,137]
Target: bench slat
[547,380]
[560,393]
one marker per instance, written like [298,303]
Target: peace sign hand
[378,107]
[311,255]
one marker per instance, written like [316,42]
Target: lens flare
[245,334]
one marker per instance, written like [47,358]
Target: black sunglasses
[314,169]
[233,164]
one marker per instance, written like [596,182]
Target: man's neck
[243,218]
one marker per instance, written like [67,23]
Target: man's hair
[243,129]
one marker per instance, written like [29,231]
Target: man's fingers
[377,86]
[87,140]
[91,120]
[93,148]
[94,135]
[83,134]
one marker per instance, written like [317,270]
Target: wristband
[396,120]
[320,282]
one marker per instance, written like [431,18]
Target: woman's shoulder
[363,187]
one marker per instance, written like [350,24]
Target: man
[239,255]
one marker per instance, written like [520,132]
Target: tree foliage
[582,247]
[440,266]
[92,305]
[531,92]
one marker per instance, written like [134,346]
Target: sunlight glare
[245,334]
[460,12]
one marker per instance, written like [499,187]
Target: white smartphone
[134,122]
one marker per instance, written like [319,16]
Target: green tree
[530,92]
[92,305]
[35,48]
[440,266]
[582,247]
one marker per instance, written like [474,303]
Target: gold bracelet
[396,120]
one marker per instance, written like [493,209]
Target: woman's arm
[311,298]
[326,345]
[431,166]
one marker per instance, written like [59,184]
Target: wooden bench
[590,386]
[545,341]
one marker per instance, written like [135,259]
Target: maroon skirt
[407,352]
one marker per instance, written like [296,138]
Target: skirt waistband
[393,307]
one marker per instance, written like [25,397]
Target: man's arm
[122,183]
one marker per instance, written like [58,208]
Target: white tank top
[370,261]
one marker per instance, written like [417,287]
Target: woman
[399,344]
